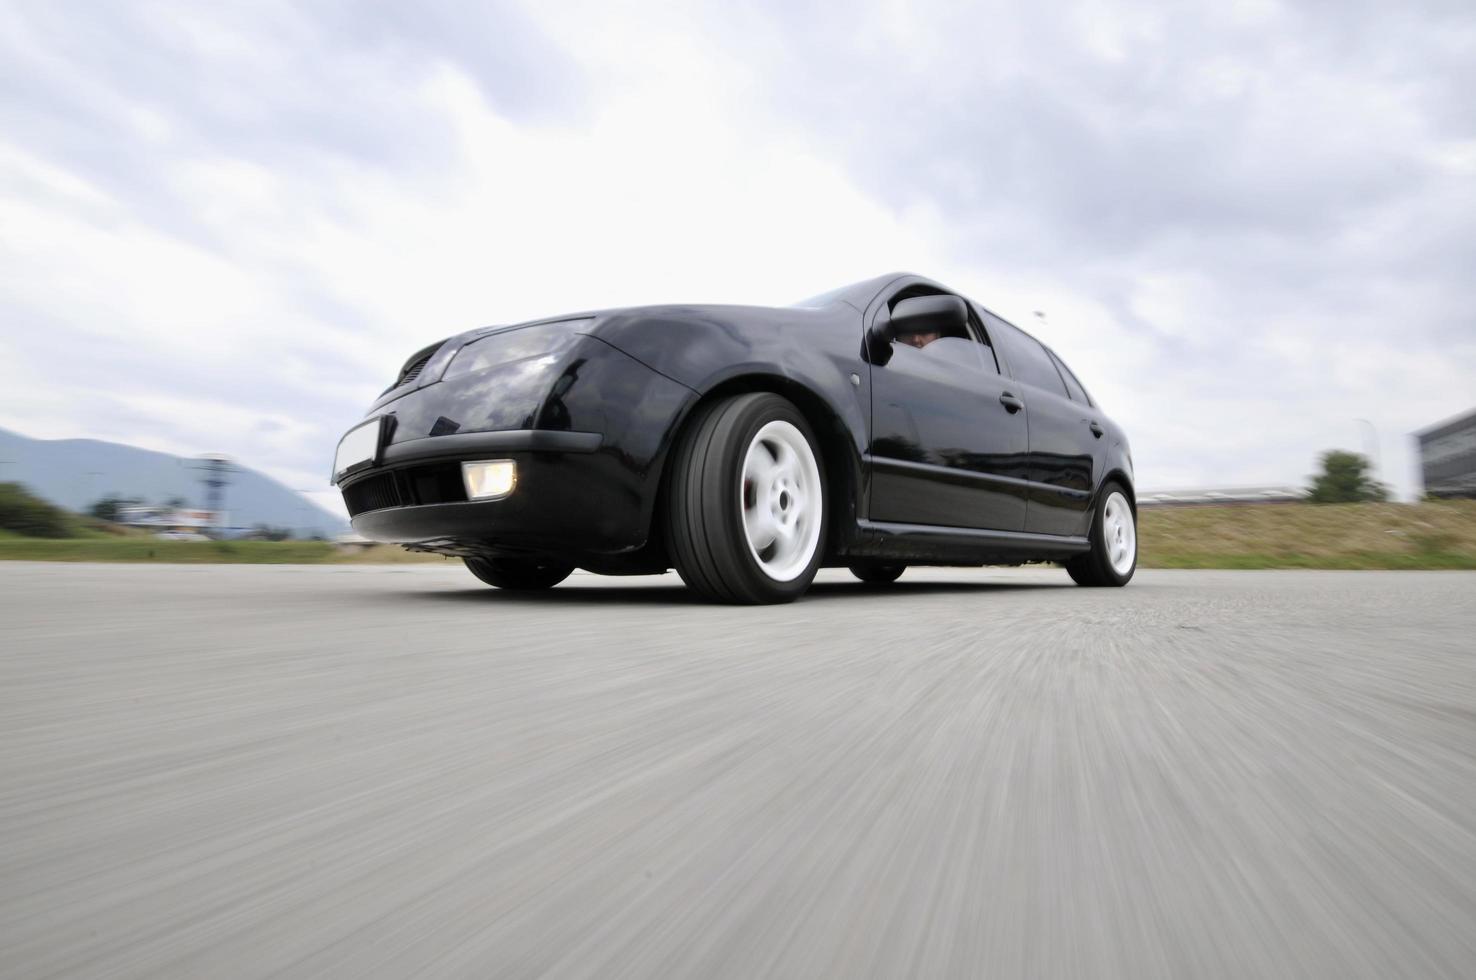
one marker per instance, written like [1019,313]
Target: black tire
[1094,568]
[704,511]
[878,574]
[518,574]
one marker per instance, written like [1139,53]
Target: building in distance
[1448,457]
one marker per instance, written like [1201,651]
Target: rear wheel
[878,574]
[518,574]
[745,516]
[1114,537]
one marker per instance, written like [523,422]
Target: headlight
[515,344]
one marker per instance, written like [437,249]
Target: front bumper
[587,433]
[483,445]
[570,498]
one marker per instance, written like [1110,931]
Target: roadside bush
[25,513]
[1344,480]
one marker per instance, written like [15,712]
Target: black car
[885,424]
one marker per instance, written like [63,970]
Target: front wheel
[745,515]
[518,574]
[1114,537]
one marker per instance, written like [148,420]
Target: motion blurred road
[243,770]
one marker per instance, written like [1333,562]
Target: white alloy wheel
[1119,533]
[781,501]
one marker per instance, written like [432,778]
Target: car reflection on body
[889,423]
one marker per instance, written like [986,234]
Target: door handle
[1096,428]
[1010,402]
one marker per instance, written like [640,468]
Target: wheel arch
[1119,476]
[842,462]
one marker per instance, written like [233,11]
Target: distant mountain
[75,473]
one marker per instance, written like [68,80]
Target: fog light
[490,479]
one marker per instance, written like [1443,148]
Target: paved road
[346,771]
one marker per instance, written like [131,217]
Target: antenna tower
[215,474]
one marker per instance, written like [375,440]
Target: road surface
[220,771]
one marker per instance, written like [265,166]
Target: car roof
[857,294]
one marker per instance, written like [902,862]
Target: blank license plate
[358,448]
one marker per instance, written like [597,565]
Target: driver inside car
[919,339]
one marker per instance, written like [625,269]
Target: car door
[944,450]
[1065,449]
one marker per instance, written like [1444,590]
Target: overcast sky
[1247,224]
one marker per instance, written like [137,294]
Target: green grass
[1339,536]
[1360,561]
[1438,535]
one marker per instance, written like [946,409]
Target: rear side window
[1078,393]
[1029,361]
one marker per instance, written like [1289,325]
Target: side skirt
[961,545]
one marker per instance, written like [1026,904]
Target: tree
[268,532]
[1344,480]
[108,508]
[24,513]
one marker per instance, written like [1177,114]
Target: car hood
[655,315]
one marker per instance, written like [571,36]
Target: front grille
[372,493]
[439,483]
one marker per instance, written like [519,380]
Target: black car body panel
[925,460]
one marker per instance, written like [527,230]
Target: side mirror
[943,315]
[877,347]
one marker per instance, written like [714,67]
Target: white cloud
[521,221]
[227,218]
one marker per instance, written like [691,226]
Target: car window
[955,350]
[976,324]
[925,339]
[972,334]
[1028,360]
[1073,386]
